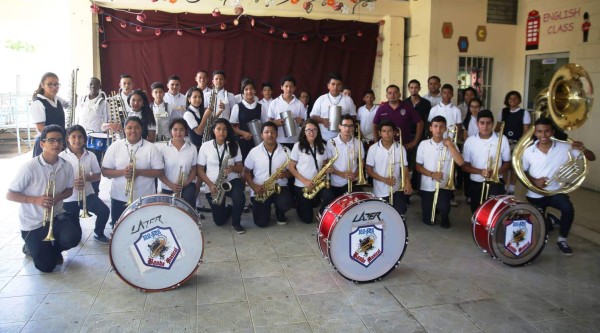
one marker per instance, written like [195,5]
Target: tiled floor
[275,280]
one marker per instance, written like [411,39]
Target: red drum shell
[495,228]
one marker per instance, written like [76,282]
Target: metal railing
[14,116]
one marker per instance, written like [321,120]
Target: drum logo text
[145,224]
[158,247]
[366,244]
[518,236]
[363,217]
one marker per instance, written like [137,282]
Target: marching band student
[196,115]
[305,99]
[430,154]
[125,89]
[117,166]
[29,188]
[345,168]
[243,113]
[140,107]
[179,156]
[262,161]
[320,110]
[480,154]
[470,129]
[287,102]
[447,110]
[541,162]
[307,159]
[175,98]
[161,111]
[224,100]
[211,159]
[202,81]
[381,155]
[47,108]
[469,94]
[77,155]
[267,93]
[517,122]
[365,116]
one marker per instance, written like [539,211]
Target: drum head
[155,245]
[368,241]
[518,234]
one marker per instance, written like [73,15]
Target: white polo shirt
[176,103]
[473,129]
[222,95]
[305,162]
[125,103]
[90,166]
[365,117]
[208,157]
[266,103]
[235,112]
[92,113]
[31,180]
[341,164]
[477,150]
[258,161]
[428,155]
[173,159]
[435,100]
[379,158]
[538,164]
[139,115]
[450,112]
[147,156]
[321,109]
[279,105]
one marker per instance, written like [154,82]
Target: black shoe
[26,250]
[101,238]
[112,225]
[238,228]
[446,225]
[59,259]
[281,220]
[204,209]
[565,248]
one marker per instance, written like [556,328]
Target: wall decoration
[481,33]
[585,27]
[532,35]
[463,44]
[447,30]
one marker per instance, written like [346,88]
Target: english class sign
[561,21]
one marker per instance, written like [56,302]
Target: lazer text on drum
[145,224]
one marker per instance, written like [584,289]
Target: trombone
[441,160]
[494,166]
[397,145]
[81,197]
[49,211]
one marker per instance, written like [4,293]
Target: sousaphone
[568,102]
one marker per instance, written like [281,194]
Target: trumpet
[81,194]
[180,180]
[49,212]
[494,166]
[130,181]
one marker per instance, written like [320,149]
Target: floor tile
[220,291]
[458,290]
[79,281]
[219,270]
[30,285]
[269,310]
[265,286]
[312,283]
[224,317]
[293,249]
[19,309]
[168,319]
[62,325]
[372,300]
[392,322]
[568,325]
[62,305]
[15,327]
[261,268]
[184,296]
[325,306]
[490,315]
[575,302]
[416,295]
[287,328]
[530,306]
[443,318]
[9,268]
[309,263]
[255,251]
[122,322]
[115,300]
[343,323]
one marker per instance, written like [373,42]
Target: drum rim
[176,285]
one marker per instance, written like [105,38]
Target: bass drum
[157,243]
[509,230]
[362,236]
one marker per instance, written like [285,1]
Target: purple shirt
[404,116]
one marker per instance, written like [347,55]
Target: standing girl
[140,107]
[47,108]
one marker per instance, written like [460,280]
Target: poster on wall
[585,26]
[532,35]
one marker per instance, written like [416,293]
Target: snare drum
[157,244]
[97,141]
[362,236]
[509,230]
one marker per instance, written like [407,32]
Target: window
[475,72]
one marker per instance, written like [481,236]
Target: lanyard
[270,157]
[221,156]
[314,155]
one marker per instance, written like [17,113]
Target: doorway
[540,69]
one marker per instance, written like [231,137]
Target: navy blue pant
[95,206]
[304,207]
[67,234]
[400,201]
[495,189]
[116,209]
[188,194]
[261,211]
[222,212]
[563,204]
[442,206]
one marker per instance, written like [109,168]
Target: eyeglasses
[347,126]
[53,85]
[54,141]
[311,130]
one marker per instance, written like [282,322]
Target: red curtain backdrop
[259,52]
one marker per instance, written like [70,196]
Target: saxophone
[221,183]
[212,108]
[270,185]
[70,117]
[320,180]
